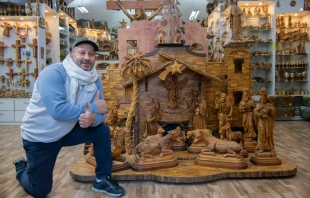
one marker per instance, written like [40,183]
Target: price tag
[274,46]
[58,56]
[290,104]
[285,115]
[14,52]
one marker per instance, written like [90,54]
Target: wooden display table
[186,171]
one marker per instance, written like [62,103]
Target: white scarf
[79,78]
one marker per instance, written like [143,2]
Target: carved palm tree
[134,66]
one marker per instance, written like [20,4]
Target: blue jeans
[37,178]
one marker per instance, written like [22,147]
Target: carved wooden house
[230,77]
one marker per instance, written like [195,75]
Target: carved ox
[217,146]
[159,147]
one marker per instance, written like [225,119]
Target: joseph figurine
[265,114]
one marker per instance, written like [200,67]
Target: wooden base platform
[250,146]
[221,162]
[186,171]
[265,159]
[155,166]
[117,166]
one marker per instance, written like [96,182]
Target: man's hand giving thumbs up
[87,118]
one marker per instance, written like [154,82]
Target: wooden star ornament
[175,68]
[123,23]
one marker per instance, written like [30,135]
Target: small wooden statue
[224,108]
[177,37]
[235,20]
[161,36]
[264,115]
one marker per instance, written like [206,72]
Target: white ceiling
[98,11]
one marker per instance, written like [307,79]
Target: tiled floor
[292,139]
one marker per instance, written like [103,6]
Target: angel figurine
[174,90]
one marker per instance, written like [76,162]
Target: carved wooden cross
[17,27]
[34,46]
[147,5]
[2,46]
[27,61]
[35,27]
[26,27]
[2,61]
[17,45]
[25,83]
[7,27]
[22,76]
[11,74]
[42,53]
[38,8]
[18,62]
[35,73]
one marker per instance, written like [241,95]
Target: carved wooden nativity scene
[179,117]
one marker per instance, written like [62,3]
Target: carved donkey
[236,136]
[159,147]
[159,134]
[214,145]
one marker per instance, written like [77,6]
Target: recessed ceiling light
[301,9]
[70,20]
[246,4]
[61,14]
[218,9]
[21,18]
[260,3]
[295,14]
[2,18]
[54,16]
[46,10]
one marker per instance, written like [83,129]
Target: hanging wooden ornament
[293,3]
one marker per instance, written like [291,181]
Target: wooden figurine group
[156,151]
